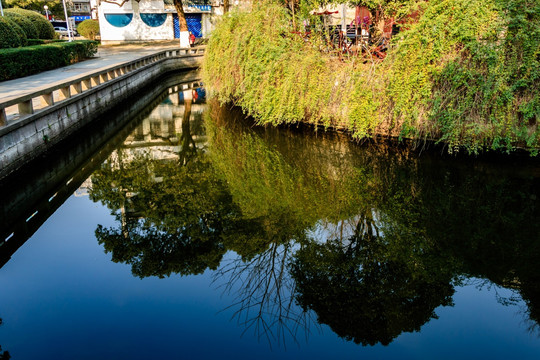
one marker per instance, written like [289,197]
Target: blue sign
[81,17]
[201,7]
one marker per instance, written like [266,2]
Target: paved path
[107,56]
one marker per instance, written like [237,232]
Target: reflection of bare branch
[264,292]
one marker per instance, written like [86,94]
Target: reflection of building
[158,135]
[84,188]
[160,138]
[154,19]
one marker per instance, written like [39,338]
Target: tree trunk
[184,32]
[225,6]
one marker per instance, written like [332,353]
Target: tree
[55,6]
[184,32]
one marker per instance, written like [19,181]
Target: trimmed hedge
[43,26]
[9,37]
[40,41]
[25,23]
[89,29]
[34,59]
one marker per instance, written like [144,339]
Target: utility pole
[67,21]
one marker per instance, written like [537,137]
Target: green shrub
[9,37]
[20,32]
[89,29]
[32,42]
[33,59]
[43,26]
[25,23]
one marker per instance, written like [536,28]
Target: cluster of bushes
[89,29]
[19,25]
[466,72]
[33,59]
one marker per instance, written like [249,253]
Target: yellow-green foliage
[466,73]
[257,61]
[297,178]
[89,28]
[427,47]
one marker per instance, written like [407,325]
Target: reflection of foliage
[181,216]
[404,229]
[363,292]
[153,253]
[273,173]
[488,222]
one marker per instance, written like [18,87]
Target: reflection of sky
[62,298]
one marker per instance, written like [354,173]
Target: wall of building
[136,30]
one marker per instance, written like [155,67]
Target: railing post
[3,117]
[104,77]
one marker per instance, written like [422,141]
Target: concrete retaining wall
[26,139]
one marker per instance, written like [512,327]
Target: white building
[147,20]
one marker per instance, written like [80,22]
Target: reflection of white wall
[136,30]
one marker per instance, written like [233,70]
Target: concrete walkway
[107,56]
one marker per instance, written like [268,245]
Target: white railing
[16,108]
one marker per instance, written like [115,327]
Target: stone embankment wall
[25,139]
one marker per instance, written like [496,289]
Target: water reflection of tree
[439,221]
[263,294]
[171,214]
[364,292]
[372,240]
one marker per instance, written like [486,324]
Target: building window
[153,20]
[119,20]
[81,7]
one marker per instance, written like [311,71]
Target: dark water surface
[191,234]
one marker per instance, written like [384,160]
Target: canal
[175,229]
